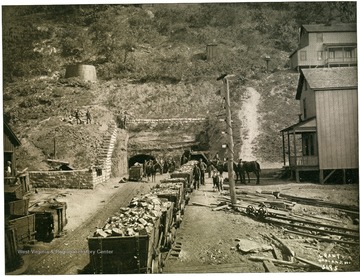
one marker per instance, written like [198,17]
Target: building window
[348,53]
[320,55]
[304,108]
[319,37]
[331,54]
[303,55]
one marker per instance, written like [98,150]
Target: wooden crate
[50,219]
[13,192]
[17,207]
[18,189]
[13,259]
[118,255]
[24,228]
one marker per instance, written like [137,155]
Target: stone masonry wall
[77,179]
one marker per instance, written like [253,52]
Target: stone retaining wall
[77,179]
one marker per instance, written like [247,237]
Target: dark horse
[151,167]
[246,167]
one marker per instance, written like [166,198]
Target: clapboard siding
[8,146]
[337,129]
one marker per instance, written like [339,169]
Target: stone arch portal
[140,158]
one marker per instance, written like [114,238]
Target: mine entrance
[140,158]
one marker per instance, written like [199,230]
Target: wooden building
[11,142]
[324,45]
[326,137]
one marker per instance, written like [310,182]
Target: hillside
[151,62]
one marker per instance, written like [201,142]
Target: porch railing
[349,60]
[304,161]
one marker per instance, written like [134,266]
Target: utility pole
[54,147]
[230,141]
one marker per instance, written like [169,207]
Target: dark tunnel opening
[139,158]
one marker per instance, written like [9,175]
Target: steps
[106,151]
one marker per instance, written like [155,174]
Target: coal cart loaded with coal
[136,172]
[130,241]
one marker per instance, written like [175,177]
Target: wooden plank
[319,237]
[350,212]
[329,175]
[220,208]
[356,236]
[325,218]
[58,161]
[318,202]
[311,263]
[275,252]
[319,224]
[269,266]
[288,250]
[275,261]
[199,204]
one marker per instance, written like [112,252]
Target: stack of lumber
[275,208]
[138,218]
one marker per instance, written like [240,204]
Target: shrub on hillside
[75,82]
[30,102]
[58,92]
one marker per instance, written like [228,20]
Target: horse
[155,167]
[223,167]
[149,169]
[246,167]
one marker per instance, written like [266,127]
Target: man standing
[77,116]
[197,175]
[202,167]
[88,117]
[7,172]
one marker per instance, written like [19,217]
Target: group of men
[199,175]
[78,117]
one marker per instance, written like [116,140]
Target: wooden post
[54,147]
[321,176]
[295,158]
[288,140]
[283,143]
[344,175]
[230,142]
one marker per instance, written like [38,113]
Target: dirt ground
[208,239]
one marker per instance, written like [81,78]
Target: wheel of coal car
[173,234]
[161,264]
[250,210]
[155,266]
[182,208]
[262,212]
[178,220]
[169,241]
